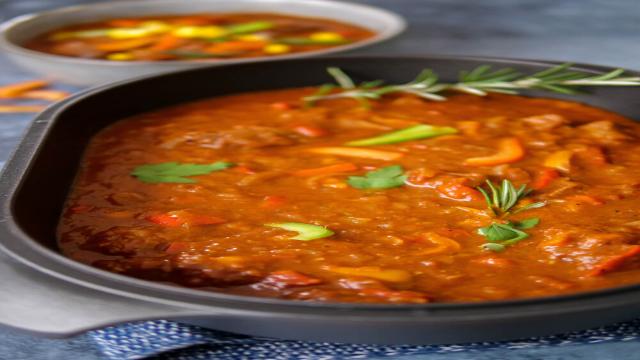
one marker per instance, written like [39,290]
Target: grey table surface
[594,31]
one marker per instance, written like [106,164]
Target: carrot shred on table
[21,108]
[17,89]
[615,262]
[544,178]
[327,170]
[510,150]
[50,95]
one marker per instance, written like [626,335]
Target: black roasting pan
[63,297]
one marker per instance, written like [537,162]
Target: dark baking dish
[36,180]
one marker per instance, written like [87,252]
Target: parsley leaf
[173,172]
[383,178]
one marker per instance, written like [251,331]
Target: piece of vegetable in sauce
[183,217]
[358,153]
[544,178]
[559,160]
[374,272]
[305,231]
[249,27]
[510,150]
[416,132]
[174,172]
[383,178]
[615,262]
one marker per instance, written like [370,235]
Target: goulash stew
[197,37]
[404,201]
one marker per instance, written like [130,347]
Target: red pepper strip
[273,201]
[544,178]
[615,262]
[182,217]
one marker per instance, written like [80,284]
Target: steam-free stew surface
[414,241]
[198,37]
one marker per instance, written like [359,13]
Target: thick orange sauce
[408,244]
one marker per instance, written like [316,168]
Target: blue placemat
[174,341]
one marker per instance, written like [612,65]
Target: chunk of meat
[121,240]
[545,121]
[240,137]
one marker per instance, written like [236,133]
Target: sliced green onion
[305,231]
[416,132]
[249,27]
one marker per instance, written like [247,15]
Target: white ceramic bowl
[78,71]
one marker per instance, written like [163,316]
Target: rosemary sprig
[502,200]
[505,196]
[479,81]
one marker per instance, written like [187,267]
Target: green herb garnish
[505,196]
[480,81]
[416,132]
[173,172]
[249,27]
[383,178]
[499,236]
[305,231]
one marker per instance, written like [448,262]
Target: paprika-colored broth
[256,194]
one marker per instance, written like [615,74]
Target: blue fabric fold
[175,341]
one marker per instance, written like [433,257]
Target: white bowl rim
[397,25]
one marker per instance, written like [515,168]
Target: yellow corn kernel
[276,49]
[120,57]
[326,36]
[199,32]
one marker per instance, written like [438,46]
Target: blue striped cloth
[174,341]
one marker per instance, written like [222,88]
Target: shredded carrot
[327,170]
[510,150]
[544,178]
[310,131]
[21,108]
[50,95]
[123,45]
[17,89]
[442,244]
[358,152]
[559,160]
[615,262]
[374,272]
[166,42]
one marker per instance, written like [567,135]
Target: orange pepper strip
[358,152]
[167,42]
[544,178]
[442,244]
[50,95]
[327,170]
[615,262]
[21,108]
[510,150]
[15,90]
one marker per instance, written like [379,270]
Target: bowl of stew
[86,45]
[410,216]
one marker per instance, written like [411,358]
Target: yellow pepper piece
[326,36]
[251,37]
[120,57]
[156,26]
[559,160]
[199,32]
[275,49]
[128,33]
[374,272]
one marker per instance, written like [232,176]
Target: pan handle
[42,305]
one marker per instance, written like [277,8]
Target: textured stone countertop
[593,31]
